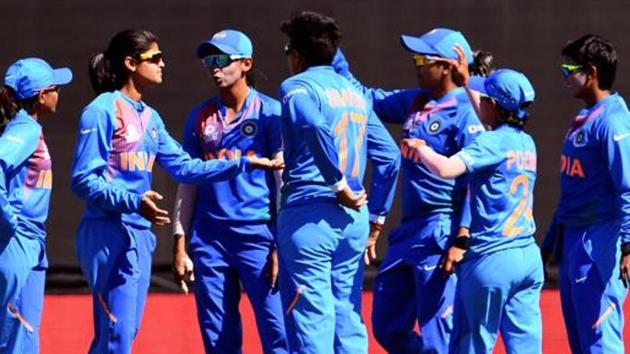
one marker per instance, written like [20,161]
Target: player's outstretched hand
[460,67]
[453,256]
[272,269]
[150,211]
[265,164]
[370,246]
[349,199]
[183,270]
[625,270]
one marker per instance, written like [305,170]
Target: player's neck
[234,97]
[441,90]
[595,95]
[131,90]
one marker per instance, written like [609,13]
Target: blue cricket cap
[438,42]
[28,76]
[228,41]
[511,89]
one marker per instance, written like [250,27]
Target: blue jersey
[502,168]
[255,131]
[25,178]
[119,141]
[324,123]
[447,124]
[595,168]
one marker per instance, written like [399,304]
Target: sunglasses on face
[154,57]
[569,69]
[220,60]
[421,60]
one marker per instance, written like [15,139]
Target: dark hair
[9,105]
[313,35]
[107,69]
[510,118]
[594,50]
[483,63]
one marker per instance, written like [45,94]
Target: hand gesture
[349,199]
[264,163]
[370,246]
[460,67]
[183,270]
[271,269]
[150,211]
[453,256]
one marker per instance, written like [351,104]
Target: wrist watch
[461,242]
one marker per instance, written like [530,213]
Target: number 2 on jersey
[341,130]
[523,209]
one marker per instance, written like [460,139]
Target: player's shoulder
[269,104]
[295,85]
[615,114]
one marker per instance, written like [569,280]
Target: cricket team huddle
[271,198]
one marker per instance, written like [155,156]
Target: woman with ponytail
[120,138]
[31,91]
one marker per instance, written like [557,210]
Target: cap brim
[204,48]
[416,45]
[477,83]
[62,76]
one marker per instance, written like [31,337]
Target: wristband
[625,248]
[461,242]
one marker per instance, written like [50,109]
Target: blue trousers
[320,246]
[22,281]
[591,292]
[116,260]
[224,253]
[496,292]
[410,288]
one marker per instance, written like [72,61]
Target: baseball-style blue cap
[228,41]
[511,89]
[28,76]
[438,42]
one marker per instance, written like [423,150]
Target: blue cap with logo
[28,76]
[510,88]
[228,41]
[438,42]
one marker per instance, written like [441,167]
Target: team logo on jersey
[210,133]
[435,126]
[154,134]
[132,134]
[249,128]
[579,139]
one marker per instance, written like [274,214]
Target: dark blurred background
[526,35]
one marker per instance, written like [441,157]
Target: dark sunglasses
[154,57]
[569,69]
[220,60]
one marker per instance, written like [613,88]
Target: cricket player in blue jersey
[120,139]
[501,274]
[231,223]
[590,232]
[30,92]
[323,226]
[409,287]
